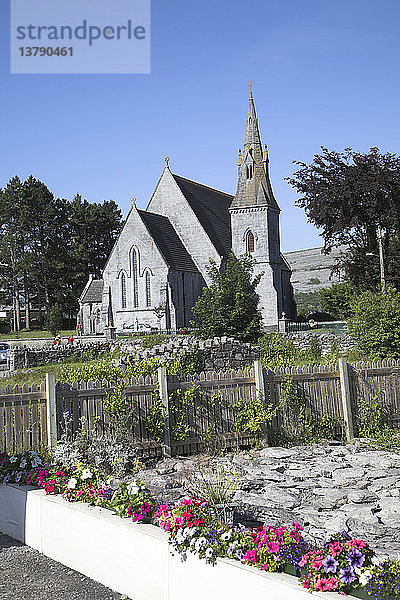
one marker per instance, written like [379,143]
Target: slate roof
[211,207]
[94,291]
[168,242]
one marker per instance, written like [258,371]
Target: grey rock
[166,466]
[359,512]
[360,496]
[278,453]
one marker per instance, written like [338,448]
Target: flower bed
[342,564]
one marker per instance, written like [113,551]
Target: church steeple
[254,187]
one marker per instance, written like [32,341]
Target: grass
[24,334]
[38,374]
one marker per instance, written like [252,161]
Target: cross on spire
[251,91]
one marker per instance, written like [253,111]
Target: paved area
[25,574]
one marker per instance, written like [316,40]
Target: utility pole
[381,263]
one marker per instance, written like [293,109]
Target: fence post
[346,398]
[51,409]
[260,390]
[163,385]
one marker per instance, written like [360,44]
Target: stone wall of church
[91,318]
[255,219]
[185,290]
[169,201]
[135,235]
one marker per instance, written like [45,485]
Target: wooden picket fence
[39,415]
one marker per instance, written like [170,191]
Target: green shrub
[375,324]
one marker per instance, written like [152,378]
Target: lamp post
[380,256]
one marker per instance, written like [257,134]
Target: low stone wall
[326,341]
[24,358]
[326,487]
[215,354]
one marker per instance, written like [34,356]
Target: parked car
[3,352]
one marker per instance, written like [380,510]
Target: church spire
[252,137]
[254,187]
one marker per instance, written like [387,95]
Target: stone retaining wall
[326,341]
[24,358]
[214,354]
[218,353]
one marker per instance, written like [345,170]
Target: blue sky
[325,73]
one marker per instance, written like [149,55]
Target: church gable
[211,207]
[169,200]
[135,273]
[168,242]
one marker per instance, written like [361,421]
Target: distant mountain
[311,270]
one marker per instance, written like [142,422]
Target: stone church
[157,268]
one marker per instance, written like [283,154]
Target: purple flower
[239,554]
[356,558]
[330,564]
[347,575]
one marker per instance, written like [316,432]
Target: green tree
[306,302]
[49,246]
[351,196]
[55,320]
[12,247]
[375,324]
[337,300]
[229,306]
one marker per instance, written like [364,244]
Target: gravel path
[25,574]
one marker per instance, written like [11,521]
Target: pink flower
[357,544]
[333,583]
[336,548]
[272,547]
[303,561]
[316,565]
[250,556]
[323,585]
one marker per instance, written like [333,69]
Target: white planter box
[130,558]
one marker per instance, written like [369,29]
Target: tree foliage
[375,323]
[55,320]
[49,246]
[349,195]
[229,306]
[337,300]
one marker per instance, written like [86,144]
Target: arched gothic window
[249,243]
[148,290]
[249,171]
[134,270]
[123,290]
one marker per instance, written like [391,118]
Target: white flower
[226,536]
[71,485]
[202,541]
[375,560]
[18,477]
[179,538]
[22,464]
[133,488]
[365,577]
[209,553]
[13,459]
[86,474]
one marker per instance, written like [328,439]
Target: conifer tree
[229,306]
